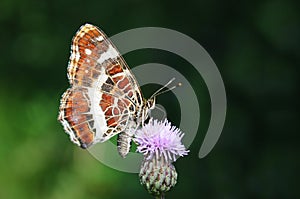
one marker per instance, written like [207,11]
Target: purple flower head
[159,138]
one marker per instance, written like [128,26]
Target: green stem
[162,196]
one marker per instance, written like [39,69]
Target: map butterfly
[104,98]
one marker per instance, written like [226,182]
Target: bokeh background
[255,45]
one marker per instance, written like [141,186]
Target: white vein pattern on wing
[73,62]
[95,95]
[75,55]
[111,53]
[68,128]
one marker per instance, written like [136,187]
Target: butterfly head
[148,106]
[150,103]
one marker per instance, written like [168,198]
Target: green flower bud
[157,175]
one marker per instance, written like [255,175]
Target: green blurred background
[255,45]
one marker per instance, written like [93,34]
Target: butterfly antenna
[161,90]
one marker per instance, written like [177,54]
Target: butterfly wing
[104,95]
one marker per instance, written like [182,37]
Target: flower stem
[161,196]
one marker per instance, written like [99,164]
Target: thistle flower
[160,138]
[160,143]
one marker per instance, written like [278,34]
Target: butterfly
[104,98]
